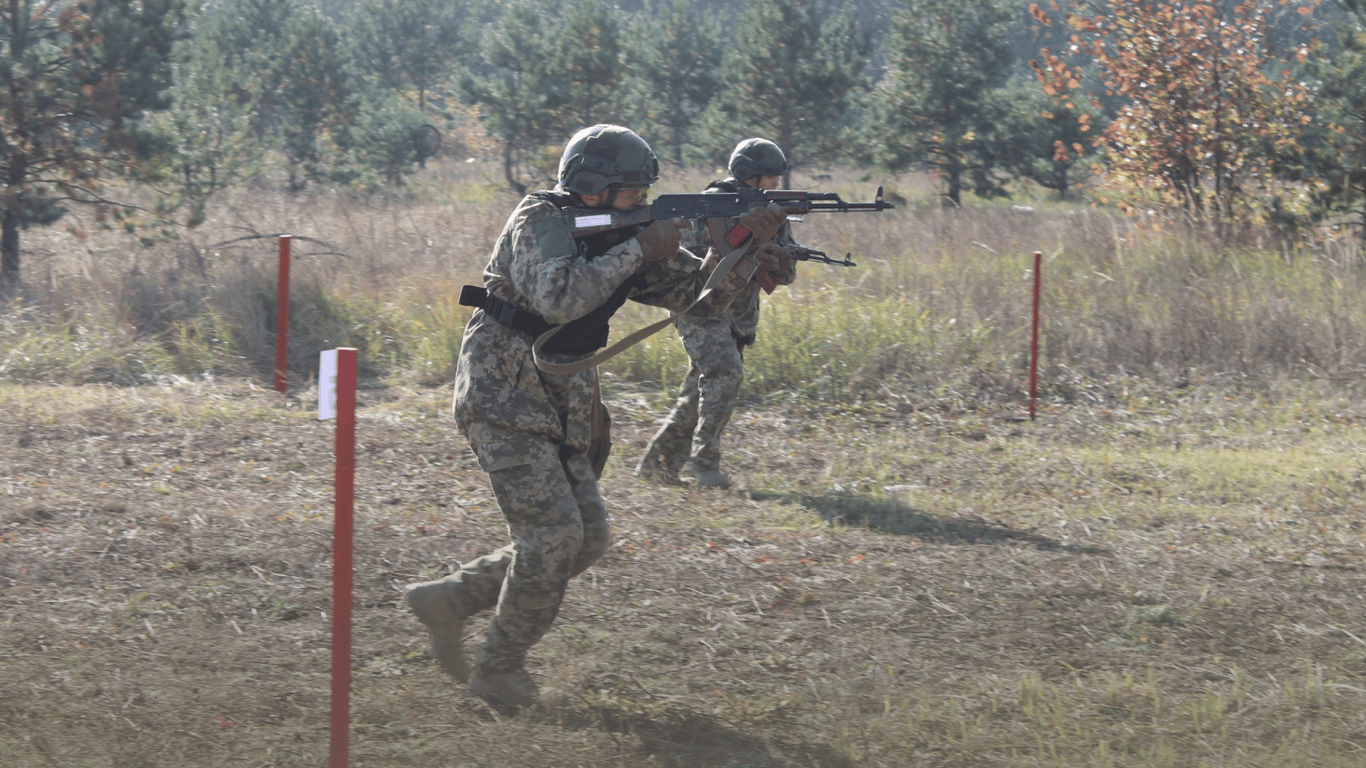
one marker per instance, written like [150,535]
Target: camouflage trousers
[558,526]
[705,399]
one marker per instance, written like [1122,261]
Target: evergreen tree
[589,65]
[1334,144]
[520,92]
[77,80]
[941,103]
[676,74]
[316,97]
[1050,137]
[791,74]
[211,146]
[409,47]
[246,39]
[1055,122]
[284,70]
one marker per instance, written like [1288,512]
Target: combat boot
[442,609]
[656,468]
[507,692]
[712,478]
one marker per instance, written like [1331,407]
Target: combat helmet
[602,155]
[756,157]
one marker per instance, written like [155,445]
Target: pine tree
[1334,149]
[1055,124]
[791,75]
[246,40]
[677,73]
[77,79]
[211,145]
[941,103]
[1051,137]
[304,91]
[520,92]
[589,65]
[317,96]
[410,46]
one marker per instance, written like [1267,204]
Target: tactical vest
[583,335]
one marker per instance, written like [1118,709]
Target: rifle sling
[565,369]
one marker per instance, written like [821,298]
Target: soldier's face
[620,198]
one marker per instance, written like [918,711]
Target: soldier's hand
[660,240]
[778,261]
[764,221]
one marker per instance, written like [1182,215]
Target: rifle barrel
[586,221]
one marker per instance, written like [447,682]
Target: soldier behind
[531,430]
[716,345]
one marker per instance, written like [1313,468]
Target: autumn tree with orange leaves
[1205,102]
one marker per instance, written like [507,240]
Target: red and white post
[337,399]
[282,318]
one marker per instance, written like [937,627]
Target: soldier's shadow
[681,738]
[898,518]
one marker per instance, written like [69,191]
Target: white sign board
[327,384]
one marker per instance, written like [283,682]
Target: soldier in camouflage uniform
[531,430]
[716,345]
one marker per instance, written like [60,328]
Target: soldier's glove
[660,240]
[764,222]
[780,260]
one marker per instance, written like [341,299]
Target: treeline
[1231,114]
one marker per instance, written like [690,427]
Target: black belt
[577,339]
[502,312]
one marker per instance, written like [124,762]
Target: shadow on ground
[681,738]
[894,517]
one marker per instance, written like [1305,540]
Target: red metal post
[342,556]
[1034,334]
[282,319]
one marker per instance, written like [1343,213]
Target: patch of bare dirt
[165,577]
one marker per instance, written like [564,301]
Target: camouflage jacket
[743,313]
[537,266]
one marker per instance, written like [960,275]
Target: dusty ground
[898,584]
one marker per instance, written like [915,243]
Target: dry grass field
[1164,569]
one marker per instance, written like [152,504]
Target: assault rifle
[715,205]
[806,254]
[748,265]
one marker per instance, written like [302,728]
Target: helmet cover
[602,155]
[756,157]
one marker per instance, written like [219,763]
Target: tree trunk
[955,193]
[16,162]
[9,251]
[507,169]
